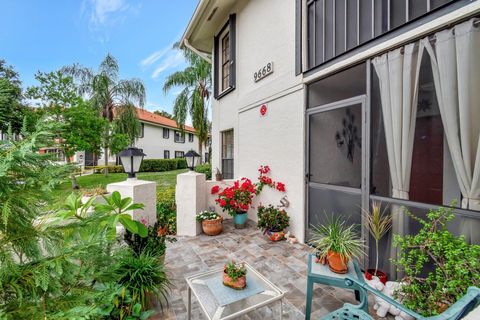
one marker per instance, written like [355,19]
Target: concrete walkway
[282,263]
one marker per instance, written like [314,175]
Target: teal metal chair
[318,273]
[456,311]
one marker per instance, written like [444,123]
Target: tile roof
[147,116]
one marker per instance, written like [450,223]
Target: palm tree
[196,80]
[112,96]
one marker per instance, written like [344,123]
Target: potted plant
[379,223]
[336,243]
[218,175]
[456,265]
[236,200]
[235,275]
[211,222]
[273,221]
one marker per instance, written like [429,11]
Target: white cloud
[172,59]
[154,57]
[103,12]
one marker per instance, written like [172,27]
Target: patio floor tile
[282,263]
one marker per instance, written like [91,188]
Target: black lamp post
[192,159]
[131,159]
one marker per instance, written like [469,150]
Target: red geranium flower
[280,187]
[215,189]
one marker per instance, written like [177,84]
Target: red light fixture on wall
[263,110]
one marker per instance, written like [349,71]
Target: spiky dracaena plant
[338,237]
[379,222]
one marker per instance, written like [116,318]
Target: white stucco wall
[266,33]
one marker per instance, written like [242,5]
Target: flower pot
[238,284]
[275,235]
[240,219]
[337,263]
[212,227]
[382,276]
[218,177]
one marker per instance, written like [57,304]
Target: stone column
[140,191]
[190,200]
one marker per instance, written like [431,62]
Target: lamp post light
[192,159]
[131,159]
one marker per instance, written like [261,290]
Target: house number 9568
[263,72]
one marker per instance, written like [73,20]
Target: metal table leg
[189,304]
[281,309]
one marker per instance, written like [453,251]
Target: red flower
[215,189]
[222,203]
[280,187]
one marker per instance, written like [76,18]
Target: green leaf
[142,230]
[117,199]
[135,206]
[128,223]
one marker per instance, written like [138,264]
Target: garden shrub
[100,169]
[206,169]
[159,165]
[456,265]
[181,163]
[166,209]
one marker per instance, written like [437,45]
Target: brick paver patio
[282,263]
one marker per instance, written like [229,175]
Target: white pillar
[140,191]
[190,199]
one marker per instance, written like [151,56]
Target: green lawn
[163,180]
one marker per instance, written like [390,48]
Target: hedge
[205,168]
[159,165]
[148,165]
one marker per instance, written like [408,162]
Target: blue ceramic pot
[240,219]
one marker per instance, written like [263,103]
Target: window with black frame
[190,137]
[166,154]
[227,154]
[179,137]
[166,133]
[179,154]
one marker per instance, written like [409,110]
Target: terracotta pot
[275,235]
[382,276]
[337,263]
[218,177]
[212,227]
[238,284]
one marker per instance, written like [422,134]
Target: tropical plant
[338,237]
[235,270]
[53,264]
[153,244]
[271,218]
[207,215]
[456,264]
[144,277]
[10,98]
[379,223]
[195,81]
[113,97]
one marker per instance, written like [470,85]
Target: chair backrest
[454,312]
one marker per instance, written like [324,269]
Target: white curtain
[456,73]
[398,73]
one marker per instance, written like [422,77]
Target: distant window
[142,130]
[190,137]
[166,133]
[179,154]
[227,154]
[166,154]
[206,157]
[179,137]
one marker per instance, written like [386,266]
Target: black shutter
[216,61]
[232,38]
[298,37]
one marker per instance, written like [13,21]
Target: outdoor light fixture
[131,159]
[192,159]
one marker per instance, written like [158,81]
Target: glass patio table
[219,302]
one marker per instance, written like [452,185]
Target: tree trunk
[106,161]
[200,150]
[72,177]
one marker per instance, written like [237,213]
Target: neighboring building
[348,102]
[161,138]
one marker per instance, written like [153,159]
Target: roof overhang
[207,19]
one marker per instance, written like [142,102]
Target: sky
[47,35]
